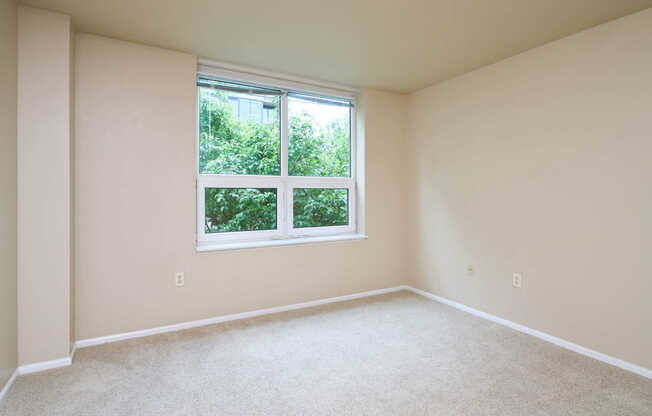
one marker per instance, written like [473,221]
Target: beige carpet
[397,354]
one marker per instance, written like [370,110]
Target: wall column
[44,191]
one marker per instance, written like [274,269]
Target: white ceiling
[388,44]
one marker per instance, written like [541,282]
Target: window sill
[208,247]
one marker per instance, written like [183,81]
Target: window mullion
[239,181]
[323,182]
[285,125]
[284,209]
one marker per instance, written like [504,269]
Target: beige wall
[44,198]
[135,204]
[541,164]
[8,331]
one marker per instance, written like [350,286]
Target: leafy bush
[314,207]
[237,209]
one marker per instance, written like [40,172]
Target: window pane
[314,207]
[239,132]
[240,209]
[319,137]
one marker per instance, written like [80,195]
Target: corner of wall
[8,191]
[72,187]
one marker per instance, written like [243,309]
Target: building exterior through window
[261,110]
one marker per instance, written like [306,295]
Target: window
[274,163]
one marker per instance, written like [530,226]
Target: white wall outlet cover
[180,279]
[517,280]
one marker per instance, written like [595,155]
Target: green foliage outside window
[230,146]
[314,151]
[314,207]
[240,209]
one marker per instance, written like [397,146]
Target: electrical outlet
[180,279]
[517,280]
[470,270]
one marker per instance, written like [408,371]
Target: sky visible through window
[323,114]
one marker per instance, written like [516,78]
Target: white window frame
[285,184]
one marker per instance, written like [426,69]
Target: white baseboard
[8,385]
[541,335]
[225,318]
[44,365]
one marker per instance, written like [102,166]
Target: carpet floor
[395,354]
